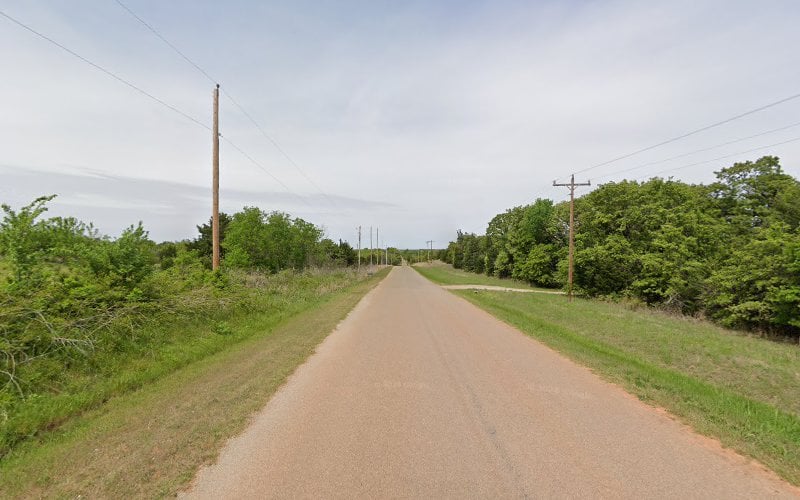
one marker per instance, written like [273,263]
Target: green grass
[5,270]
[149,442]
[138,349]
[743,390]
[445,274]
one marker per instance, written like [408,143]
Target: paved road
[418,394]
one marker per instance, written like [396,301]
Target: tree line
[728,250]
[71,298]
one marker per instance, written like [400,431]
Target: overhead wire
[173,47]
[241,108]
[795,139]
[106,71]
[276,145]
[688,134]
[264,169]
[649,164]
[152,97]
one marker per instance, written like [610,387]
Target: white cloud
[448,112]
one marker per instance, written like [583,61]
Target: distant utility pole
[378,243]
[572,185]
[215,186]
[370,245]
[359,248]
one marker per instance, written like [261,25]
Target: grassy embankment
[742,390]
[447,275]
[191,398]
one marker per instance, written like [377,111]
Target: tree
[203,243]
[730,250]
[23,239]
[270,241]
[753,194]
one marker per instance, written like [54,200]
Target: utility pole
[378,242]
[359,248]
[215,186]
[370,245]
[571,187]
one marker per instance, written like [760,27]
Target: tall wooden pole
[571,187]
[215,186]
[571,235]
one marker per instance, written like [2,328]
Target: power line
[723,157]
[260,166]
[107,72]
[698,151]
[151,96]
[173,47]
[230,97]
[277,146]
[693,132]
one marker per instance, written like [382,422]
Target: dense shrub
[70,297]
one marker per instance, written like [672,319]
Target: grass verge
[149,443]
[445,274]
[742,390]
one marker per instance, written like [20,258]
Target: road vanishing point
[420,394]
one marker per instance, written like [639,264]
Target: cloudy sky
[418,117]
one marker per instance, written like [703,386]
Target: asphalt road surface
[419,394]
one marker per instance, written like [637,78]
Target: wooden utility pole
[359,248]
[370,245]
[215,186]
[571,187]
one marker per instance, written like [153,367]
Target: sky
[417,117]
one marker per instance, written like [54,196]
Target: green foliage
[124,263]
[23,240]
[222,328]
[728,250]
[273,241]
[540,266]
[468,252]
[521,243]
[204,242]
[74,306]
[607,268]
[415,255]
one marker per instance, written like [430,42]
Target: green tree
[203,243]
[23,239]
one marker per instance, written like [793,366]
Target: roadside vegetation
[728,251]
[444,274]
[150,442]
[739,388]
[85,318]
